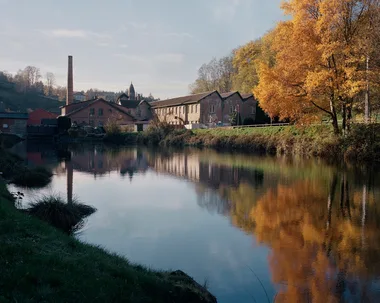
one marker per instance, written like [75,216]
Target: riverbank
[361,144]
[40,263]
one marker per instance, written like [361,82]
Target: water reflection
[321,222]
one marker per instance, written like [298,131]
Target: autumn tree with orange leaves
[321,56]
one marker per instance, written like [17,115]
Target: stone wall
[231,104]
[211,109]
[248,108]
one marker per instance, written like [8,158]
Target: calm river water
[254,229]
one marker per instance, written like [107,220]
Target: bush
[73,132]
[67,217]
[248,121]
[112,128]
[64,123]
[32,178]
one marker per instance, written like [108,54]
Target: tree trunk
[349,116]
[344,117]
[334,116]
[367,108]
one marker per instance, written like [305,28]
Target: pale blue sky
[159,45]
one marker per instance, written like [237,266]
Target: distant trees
[50,82]
[215,75]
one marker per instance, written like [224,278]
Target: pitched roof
[7,115]
[123,95]
[229,94]
[182,100]
[114,105]
[129,103]
[76,103]
[36,116]
[246,96]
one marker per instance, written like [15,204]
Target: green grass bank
[361,144]
[42,264]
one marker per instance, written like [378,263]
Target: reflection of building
[181,165]
[98,161]
[192,167]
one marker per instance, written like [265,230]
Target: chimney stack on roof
[70,86]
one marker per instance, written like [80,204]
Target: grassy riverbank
[361,144]
[42,264]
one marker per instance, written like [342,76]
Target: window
[110,110]
[253,110]
[92,111]
[5,125]
[100,112]
[191,109]
[212,108]
[196,108]
[231,109]
[179,110]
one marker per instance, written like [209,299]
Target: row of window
[194,109]
[100,111]
[177,110]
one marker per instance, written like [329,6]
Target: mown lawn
[308,131]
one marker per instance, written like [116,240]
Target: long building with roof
[209,108]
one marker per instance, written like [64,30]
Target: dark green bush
[67,217]
[248,121]
[33,178]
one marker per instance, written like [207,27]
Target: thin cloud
[131,57]
[227,9]
[170,58]
[76,33]
[179,35]
[66,33]
[137,25]
[123,46]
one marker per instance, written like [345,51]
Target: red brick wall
[109,113]
[217,115]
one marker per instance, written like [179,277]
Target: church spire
[132,93]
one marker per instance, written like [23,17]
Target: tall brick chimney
[70,86]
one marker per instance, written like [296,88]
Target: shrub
[32,178]
[73,132]
[64,123]
[67,217]
[112,128]
[248,121]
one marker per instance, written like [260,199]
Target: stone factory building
[210,108]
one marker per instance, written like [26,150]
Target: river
[252,228]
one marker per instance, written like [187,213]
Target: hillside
[22,102]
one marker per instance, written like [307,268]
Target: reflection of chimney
[69,172]
[70,88]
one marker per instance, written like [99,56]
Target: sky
[157,45]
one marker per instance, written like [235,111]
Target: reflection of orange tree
[316,261]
